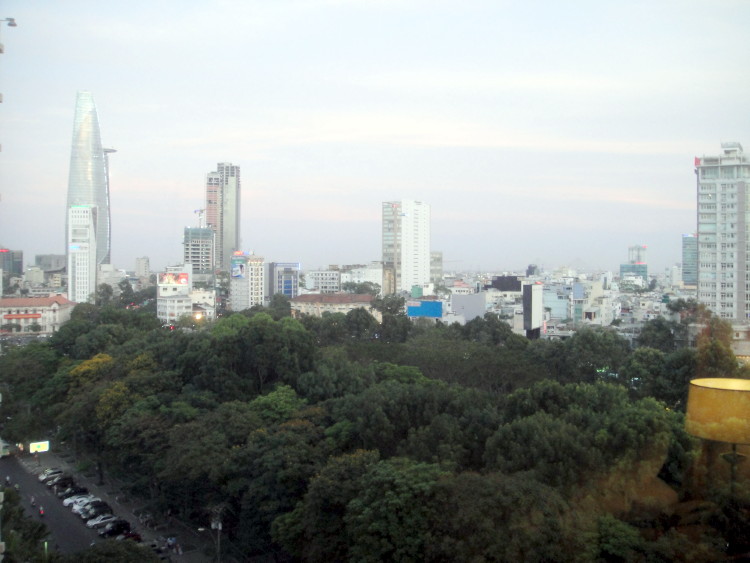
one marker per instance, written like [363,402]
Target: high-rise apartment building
[247,281]
[723,210]
[223,211]
[690,260]
[406,245]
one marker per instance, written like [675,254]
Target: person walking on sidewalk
[33,501]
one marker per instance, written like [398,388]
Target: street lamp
[216,525]
[11,23]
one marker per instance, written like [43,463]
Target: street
[68,533]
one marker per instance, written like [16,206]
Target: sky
[545,132]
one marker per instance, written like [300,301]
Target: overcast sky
[548,132]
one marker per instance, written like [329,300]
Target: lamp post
[2,543]
[216,525]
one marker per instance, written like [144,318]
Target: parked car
[115,528]
[95,509]
[61,480]
[72,491]
[134,536]
[101,520]
[49,473]
[79,507]
[75,498]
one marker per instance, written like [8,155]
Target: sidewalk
[194,547]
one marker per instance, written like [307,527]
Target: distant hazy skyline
[555,133]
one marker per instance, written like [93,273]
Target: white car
[100,521]
[70,500]
[79,506]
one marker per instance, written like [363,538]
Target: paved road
[68,533]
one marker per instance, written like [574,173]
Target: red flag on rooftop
[697,161]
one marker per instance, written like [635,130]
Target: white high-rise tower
[723,213]
[406,245]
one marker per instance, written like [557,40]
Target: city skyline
[548,134]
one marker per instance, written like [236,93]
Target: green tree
[618,541]
[361,288]
[334,376]
[277,406]
[104,295]
[127,295]
[390,518]
[496,517]
[271,474]
[566,435]
[279,306]
[23,536]
[315,531]
[659,333]
[642,369]
[389,304]
[360,324]
[715,359]
[332,329]
[593,355]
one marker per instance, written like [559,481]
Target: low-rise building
[43,315]
[315,304]
[173,299]
[323,281]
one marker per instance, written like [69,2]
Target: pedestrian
[41,511]
[33,501]
[7,480]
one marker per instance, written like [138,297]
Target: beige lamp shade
[719,409]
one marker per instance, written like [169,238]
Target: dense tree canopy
[344,438]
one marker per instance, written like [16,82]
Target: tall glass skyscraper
[87,233]
[223,211]
[88,182]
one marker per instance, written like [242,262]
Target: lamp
[719,409]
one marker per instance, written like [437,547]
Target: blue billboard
[429,309]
